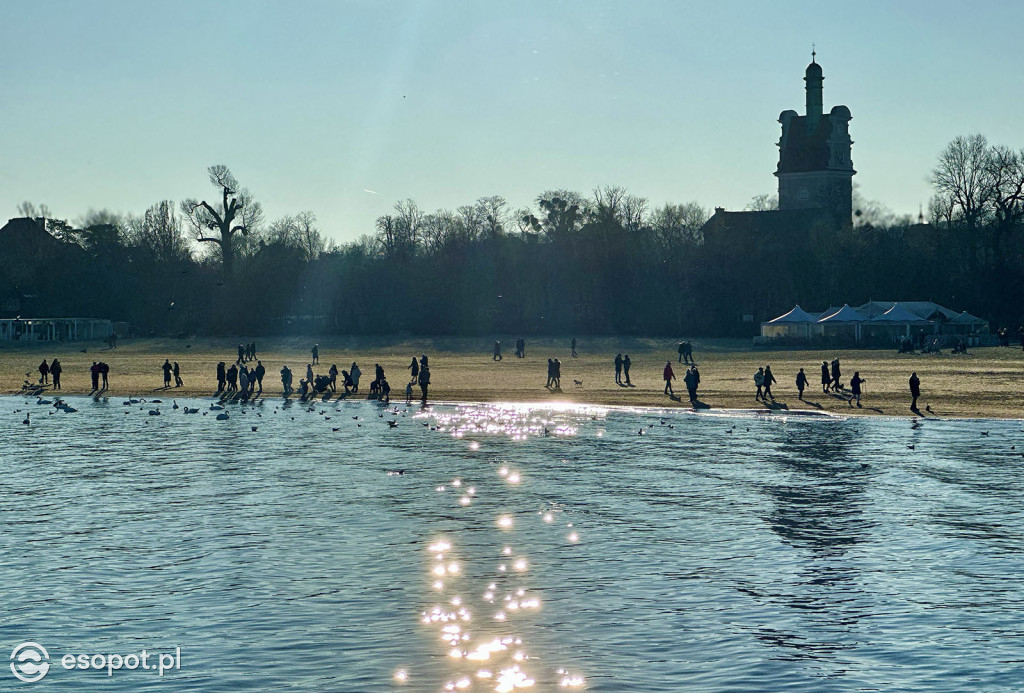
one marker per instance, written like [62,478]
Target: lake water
[521,549]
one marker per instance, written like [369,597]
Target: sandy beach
[984,383]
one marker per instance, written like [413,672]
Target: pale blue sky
[120,104]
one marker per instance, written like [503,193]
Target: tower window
[803,195]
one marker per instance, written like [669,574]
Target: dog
[578,383]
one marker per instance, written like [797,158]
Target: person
[243,380]
[759,381]
[769,378]
[618,369]
[346,381]
[557,373]
[241,353]
[222,377]
[424,380]
[497,350]
[113,340]
[626,363]
[355,373]
[414,368]
[572,346]
[681,349]
[691,379]
[104,371]
[801,383]
[309,372]
[303,388]
[551,373]
[333,373]
[286,379]
[316,354]
[408,392]
[423,361]
[253,349]
[825,377]
[260,372]
[522,347]
[232,378]
[855,382]
[668,375]
[94,371]
[385,392]
[44,372]
[688,352]
[915,390]
[55,371]
[835,375]
[178,382]
[167,368]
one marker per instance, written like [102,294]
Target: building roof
[967,318]
[898,314]
[926,310]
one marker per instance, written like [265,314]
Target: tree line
[603,263]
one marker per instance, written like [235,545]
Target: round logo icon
[29,662]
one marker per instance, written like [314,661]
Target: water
[544,546]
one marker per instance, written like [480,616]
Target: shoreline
[985,384]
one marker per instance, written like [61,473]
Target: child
[408,393]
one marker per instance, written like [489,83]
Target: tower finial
[813,54]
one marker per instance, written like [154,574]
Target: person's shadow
[697,404]
[816,405]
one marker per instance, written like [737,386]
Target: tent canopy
[898,314]
[797,314]
[966,318]
[844,314]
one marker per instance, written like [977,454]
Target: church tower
[815,170]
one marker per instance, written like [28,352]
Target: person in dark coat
[44,372]
[915,391]
[222,377]
[167,372]
[626,363]
[259,371]
[178,382]
[241,352]
[835,375]
[333,373]
[104,372]
[855,382]
[572,346]
[551,373]
[825,377]
[316,353]
[424,381]
[769,378]
[286,379]
[692,380]
[801,383]
[618,369]
[232,378]
[668,374]
[556,372]
[94,371]
[759,382]
[55,371]
[414,368]
[681,348]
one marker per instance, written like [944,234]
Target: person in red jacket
[668,375]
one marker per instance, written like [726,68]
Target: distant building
[815,168]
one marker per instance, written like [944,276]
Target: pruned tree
[236,212]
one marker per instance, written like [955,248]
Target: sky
[344,108]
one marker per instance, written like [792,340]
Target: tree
[158,232]
[27,209]
[237,213]
[763,203]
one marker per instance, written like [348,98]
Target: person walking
[801,383]
[915,391]
[316,354]
[680,349]
[333,373]
[286,380]
[260,371]
[667,374]
[557,372]
[178,382]
[355,373]
[769,378]
[855,383]
[825,377]
[835,375]
[232,375]
[694,382]
[55,371]
[309,373]
[243,380]
[497,350]
[618,369]
[44,372]
[222,377]
[626,363]
[424,381]
[551,373]
[759,382]
[414,368]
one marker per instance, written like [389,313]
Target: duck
[216,407]
[393,424]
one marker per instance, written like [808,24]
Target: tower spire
[813,54]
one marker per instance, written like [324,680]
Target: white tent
[895,322]
[845,322]
[796,323]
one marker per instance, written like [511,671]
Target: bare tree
[158,231]
[27,209]
[764,202]
[237,212]
[960,177]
